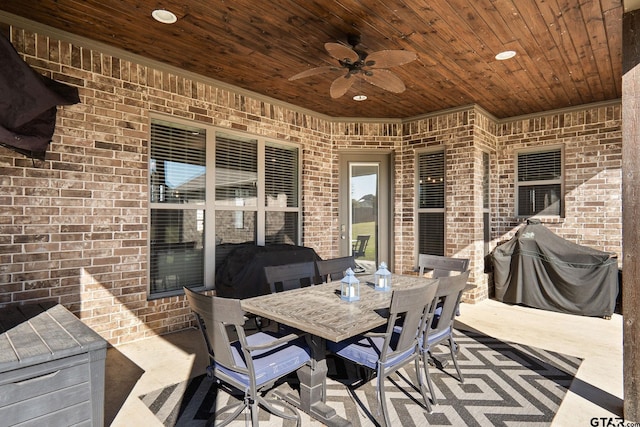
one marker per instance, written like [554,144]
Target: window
[486,226]
[236,189]
[431,199]
[246,187]
[177,198]
[281,189]
[539,183]
[238,211]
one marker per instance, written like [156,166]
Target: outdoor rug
[505,384]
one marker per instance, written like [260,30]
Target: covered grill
[540,269]
[240,273]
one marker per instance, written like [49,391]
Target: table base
[319,411]
[313,387]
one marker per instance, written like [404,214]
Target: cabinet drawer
[50,409]
[44,378]
[76,416]
[35,391]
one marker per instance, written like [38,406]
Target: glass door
[364,210]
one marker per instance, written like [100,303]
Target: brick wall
[457,133]
[593,207]
[592,140]
[74,227]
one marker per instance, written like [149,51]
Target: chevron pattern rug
[505,384]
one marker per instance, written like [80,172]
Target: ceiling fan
[360,64]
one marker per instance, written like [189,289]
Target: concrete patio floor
[147,365]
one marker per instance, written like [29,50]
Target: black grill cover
[540,269]
[241,273]
[28,104]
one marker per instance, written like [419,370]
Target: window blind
[281,228]
[177,192]
[539,166]
[486,226]
[485,180]
[539,199]
[431,233]
[539,184]
[431,180]
[282,192]
[236,171]
[281,176]
[256,199]
[177,163]
[431,202]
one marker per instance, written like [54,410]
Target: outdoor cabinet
[51,368]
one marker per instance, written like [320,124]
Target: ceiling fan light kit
[371,68]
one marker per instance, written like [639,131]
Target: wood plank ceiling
[568,51]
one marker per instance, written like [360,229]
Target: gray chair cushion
[271,363]
[366,350]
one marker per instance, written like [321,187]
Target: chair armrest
[282,340]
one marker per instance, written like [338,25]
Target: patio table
[319,311]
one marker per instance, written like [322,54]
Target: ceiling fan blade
[341,85]
[314,71]
[385,79]
[341,52]
[389,58]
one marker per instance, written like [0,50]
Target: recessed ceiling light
[164,16]
[360,97]
[507,54]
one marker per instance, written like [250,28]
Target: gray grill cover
[540,269]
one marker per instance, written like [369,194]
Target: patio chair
[439,326]
[441,266]
[291,276]
[359,245]
[386,351]
[286,277]
[334,268]
[251,364]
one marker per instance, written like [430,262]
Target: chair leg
[421,385]
[268,404]
[382,404]
[253,406]
[253,409]
[239,408]
[425,363]
[453,347]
